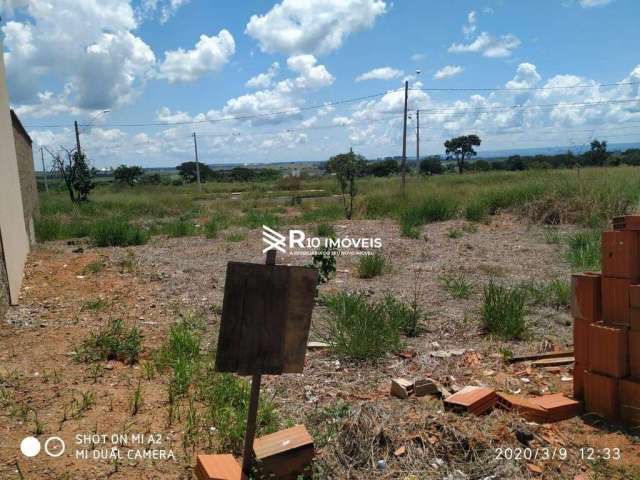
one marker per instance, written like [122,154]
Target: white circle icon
[30,446]
[54,451]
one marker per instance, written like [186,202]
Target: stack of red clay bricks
[606,328]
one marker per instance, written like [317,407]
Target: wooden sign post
[266,314]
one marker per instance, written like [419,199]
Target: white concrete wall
[15,242]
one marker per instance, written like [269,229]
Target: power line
[514,107]
[288,111]
[506,89]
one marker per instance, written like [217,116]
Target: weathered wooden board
[266,315]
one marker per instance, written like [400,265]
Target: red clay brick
[634,354]
[601,395]
[578,381]
[558,406]
[615,301]
[626,222]
[608,350]
[634,296]
[471,399]
[620,254]
[585,297]
[630,402]
[581,342]
[218,467]
[634,318]
[524,407]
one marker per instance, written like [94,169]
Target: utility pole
[404,135]
[44,171]
[77,138]
[195,146]
[418,136]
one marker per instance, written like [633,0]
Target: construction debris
[558,407]
[286,454]
[540,356]
[401,387]
[471,399]
[425,387]
[553,362]
[526,408]
[314,345]
[218,467]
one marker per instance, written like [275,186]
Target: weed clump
[115,342]
[325,230]
[180,228]
[359,329]
[585,249]
[117,233]
[370,266]
[503,310]
[457,285]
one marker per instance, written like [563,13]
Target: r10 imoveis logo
[297,243]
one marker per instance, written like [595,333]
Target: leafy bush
[325,261]
[370,266]
[117,233]
[503,310]
[358,329]
[115,342]
[457,285]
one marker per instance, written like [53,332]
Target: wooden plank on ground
[540,356]
[553,362]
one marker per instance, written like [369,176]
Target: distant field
[587,197]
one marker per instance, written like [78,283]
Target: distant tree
[77,175]
[431,165]
[598,154]
[384,168]
[347,167]
[461,148]
[129,175]
[151,179]
[242,174]
[516,163]
[188,172]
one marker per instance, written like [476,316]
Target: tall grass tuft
[457,285]
[117,233]
[585,249]
[115,342]
[180,228]
[406,315]
[503,310]
[370,266]
[358,329]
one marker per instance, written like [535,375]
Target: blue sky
[221,68]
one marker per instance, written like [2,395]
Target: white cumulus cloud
[594,3]
[448,72]
[312,26]
[264,80]
[488,45]
[382,73]
[209,55]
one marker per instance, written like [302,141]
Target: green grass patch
[216,224]
[95,304]
[358,329]
[555,293]
[325,230]
[457,285]
[236,237]
[370,266]
[180,227]
[503,310]
[94,267]
[455,233]
[406,315]
[117,233]
[115,342]
[256,219]
[585,250]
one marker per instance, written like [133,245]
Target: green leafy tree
[461,148]
[129,175]
[384,168]
[188,172]
[431,165]
[598,154]
[77,175]
[347,167]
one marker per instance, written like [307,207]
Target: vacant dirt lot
[151,285]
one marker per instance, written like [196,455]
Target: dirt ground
[187,274]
